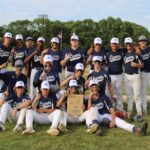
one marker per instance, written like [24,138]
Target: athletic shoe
[138,118]
[63,128]
[93,128]
[143,128]
[28,131]
[99,132]
[18,127]
[2,127]
[53,131]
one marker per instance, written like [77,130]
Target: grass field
[75,139]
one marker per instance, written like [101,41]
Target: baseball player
[34,58]
[104,110]
[145,71]
[115,67]
[29,44]
[14,106]
[72,56]
[5,49]
[46,73]
[101,75]
[78,76]
[56,54]
[45,112]
[132,63]
[19,51]
[97,51]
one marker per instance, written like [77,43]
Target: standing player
[14,106]
[132,63]
[145,71]
[115,63]
[104,110]
[72,56]
[97,51]
[5,49]
[34,58]
[47,111]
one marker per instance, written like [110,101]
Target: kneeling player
[102,106]
[46,111]
[14,106]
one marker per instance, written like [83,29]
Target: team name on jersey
[56,57]
[128,59]
[75,57]
[46,104]
[49,78]
[99,105]
[36,58]
[3,53]
[145,56]
[19,55]
[114,58]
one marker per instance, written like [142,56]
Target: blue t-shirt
[56,60]
[146,59]
[4,54]
[102,77]
[115,61]
[103,104]
[132,57]
[78,56]
[14,100]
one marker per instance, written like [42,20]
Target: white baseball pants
[133,88]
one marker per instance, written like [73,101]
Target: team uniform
[133,80]
[145,77]
[35,66]
[101,108]
[7,108]
[102,77]
[45,118]
[115,63]
[77,56]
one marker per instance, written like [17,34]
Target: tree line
[86,29]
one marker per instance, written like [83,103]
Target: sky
[137,11]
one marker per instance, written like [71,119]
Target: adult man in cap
[132,63]
[5,49]
[34,58]
[72,56]
[14,106]
[97,51]
[29,44]
[115,67]
[145,71]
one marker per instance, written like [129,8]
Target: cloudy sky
[137,11]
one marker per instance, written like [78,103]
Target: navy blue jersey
[103,104]
[4,54]
[35,61]
[10,78]
[14,100]
[146,59]
[56,60]
[29,49]
[102,55]
[47,103]
[115,61]
[132,57]
[102,77]
[20,54]
[78,56]
[51,77]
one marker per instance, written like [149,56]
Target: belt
[132,73]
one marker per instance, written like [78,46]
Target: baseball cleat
[93,128]
[53,131]
[99,132]
[143,129]
[63,128]
[28,131]
[2,127]
[18,128]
